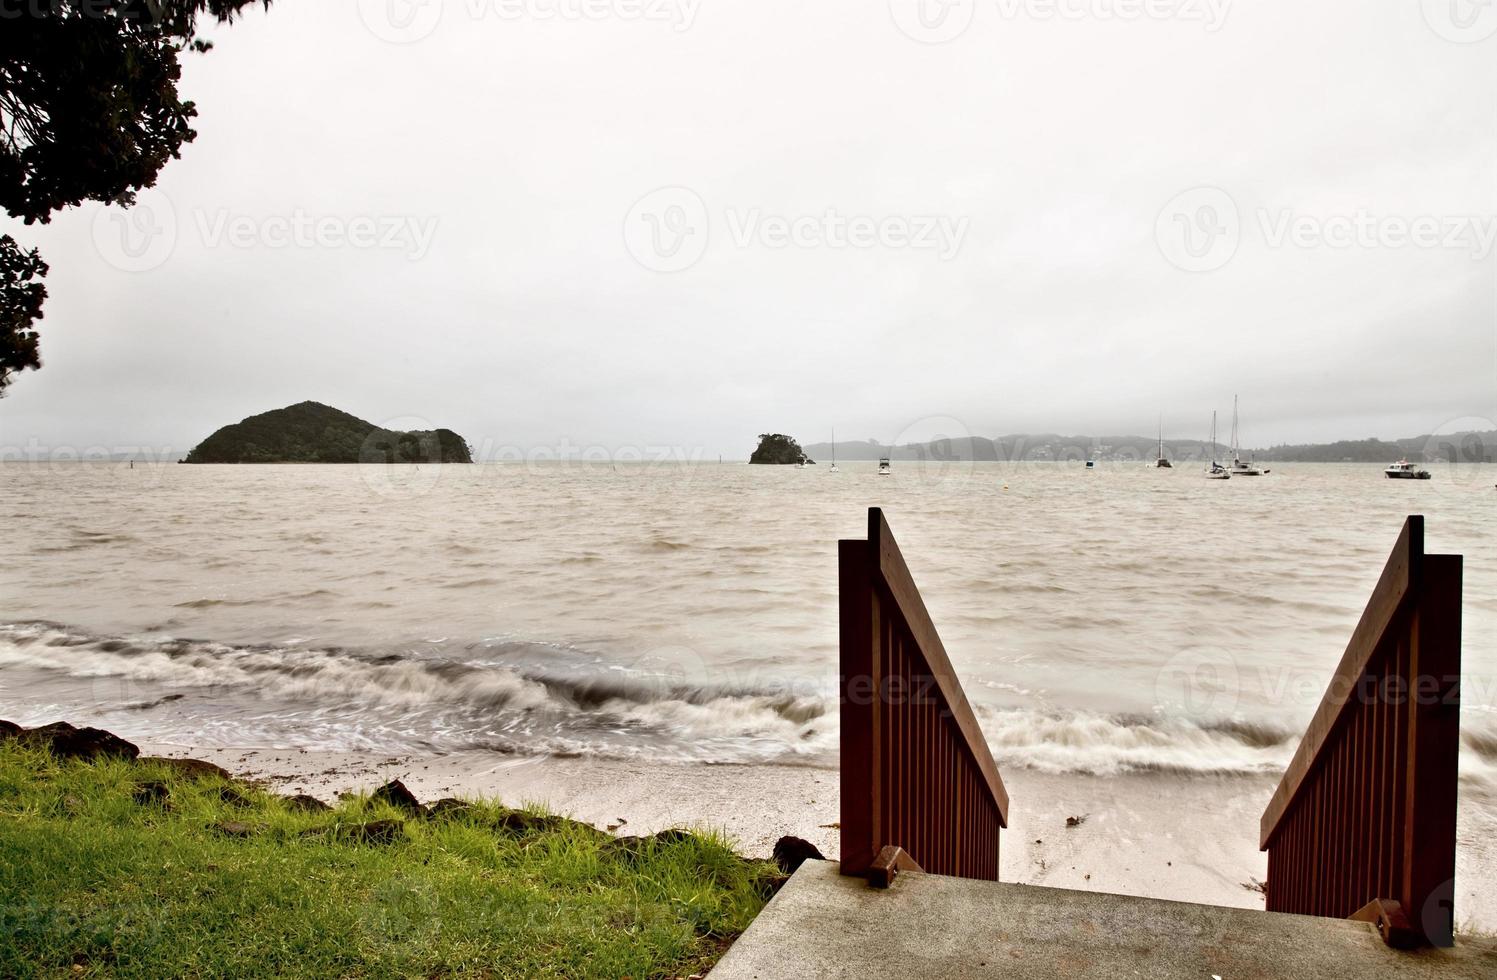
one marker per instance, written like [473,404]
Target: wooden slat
[1399,577]
[895,575]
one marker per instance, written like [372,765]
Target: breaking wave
[536,699]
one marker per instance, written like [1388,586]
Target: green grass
[94,883]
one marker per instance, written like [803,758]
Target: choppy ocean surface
[1106,620]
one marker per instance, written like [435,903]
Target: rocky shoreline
[65,741]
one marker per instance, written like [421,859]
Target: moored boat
[1215,471]
[1405,470]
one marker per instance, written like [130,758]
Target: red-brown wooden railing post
[1363,822]
[917,774]
[1434,745]
[859,690]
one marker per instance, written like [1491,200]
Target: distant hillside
[1460,447]
[311,432]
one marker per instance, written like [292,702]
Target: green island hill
[779,449]
[310,432]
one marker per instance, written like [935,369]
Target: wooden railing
[916,772]
[1363,823]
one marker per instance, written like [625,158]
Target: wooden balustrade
[1363,822]
[916,771]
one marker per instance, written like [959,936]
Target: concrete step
[825,925]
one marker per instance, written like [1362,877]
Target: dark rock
[395,794]
[232,828]
[520,822]
[791,852]
[9,729]
[449,808]
[306,804]
[631,848]
[769,880]
[372,832]
[673,836]
[89,744]
[187,768]
[152,793]
[232,796]
[377,831]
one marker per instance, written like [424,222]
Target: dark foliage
[21,297]
[89,111]
[777,448]
[311,432]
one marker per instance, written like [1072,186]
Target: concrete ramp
[928,926]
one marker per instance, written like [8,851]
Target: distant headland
[310,432]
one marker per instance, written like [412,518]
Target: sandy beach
[1158,835]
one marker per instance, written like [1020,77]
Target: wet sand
[1159,835]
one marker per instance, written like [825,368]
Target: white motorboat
[1405,470]
[883,466]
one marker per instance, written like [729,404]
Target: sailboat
[1215,471]
[1239,468]
[1160,463]
[834,452]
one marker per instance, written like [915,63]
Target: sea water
[1103,620]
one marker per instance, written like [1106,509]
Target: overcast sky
[685,222]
